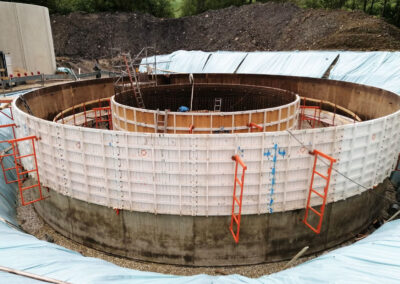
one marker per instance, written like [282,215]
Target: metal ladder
[323,195]
[4,154]
[130,69]
[162,121]
[21,172]
[100,113]
[237,202]
[18,157]
[217,104]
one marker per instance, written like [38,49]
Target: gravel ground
[34,225]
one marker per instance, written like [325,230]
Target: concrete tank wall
[26,35]
[174,191]
[206,241]
[190,174]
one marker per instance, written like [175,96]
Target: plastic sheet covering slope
[224,62]
[188,61]
[156,63]
[295,63]
[180,61]
[374,259]
[379,69]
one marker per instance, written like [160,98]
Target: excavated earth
[269,26]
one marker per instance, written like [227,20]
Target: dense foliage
[158,8]
[388,9]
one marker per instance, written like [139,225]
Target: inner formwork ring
[271,109]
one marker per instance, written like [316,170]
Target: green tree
[193,7]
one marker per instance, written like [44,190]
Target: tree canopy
[158,8]
[388,9]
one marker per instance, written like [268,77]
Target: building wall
[26,35]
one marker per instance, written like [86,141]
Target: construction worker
[97,69]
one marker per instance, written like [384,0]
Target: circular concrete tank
[167,197]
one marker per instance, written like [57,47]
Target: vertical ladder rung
[321,175]
[317,193]
[235,218]
[27,172]
[29,187]
[24,156]
[315,211]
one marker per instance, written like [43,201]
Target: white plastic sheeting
[224,62]
[156,63]
[294,63]
[178,61]
[379,69]
[298,63]
[189,61]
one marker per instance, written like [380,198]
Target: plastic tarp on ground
[180,61]
[379,69]
[294,63]
[224,62]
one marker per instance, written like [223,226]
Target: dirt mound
[269,26]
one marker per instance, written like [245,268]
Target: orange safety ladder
[20,171]
[2,156]
[7,101]
[314,118]
[327,178]
[236,217]
[12,125]
[98,117]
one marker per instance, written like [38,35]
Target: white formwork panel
[193,174]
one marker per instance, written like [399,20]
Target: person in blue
[183,109]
